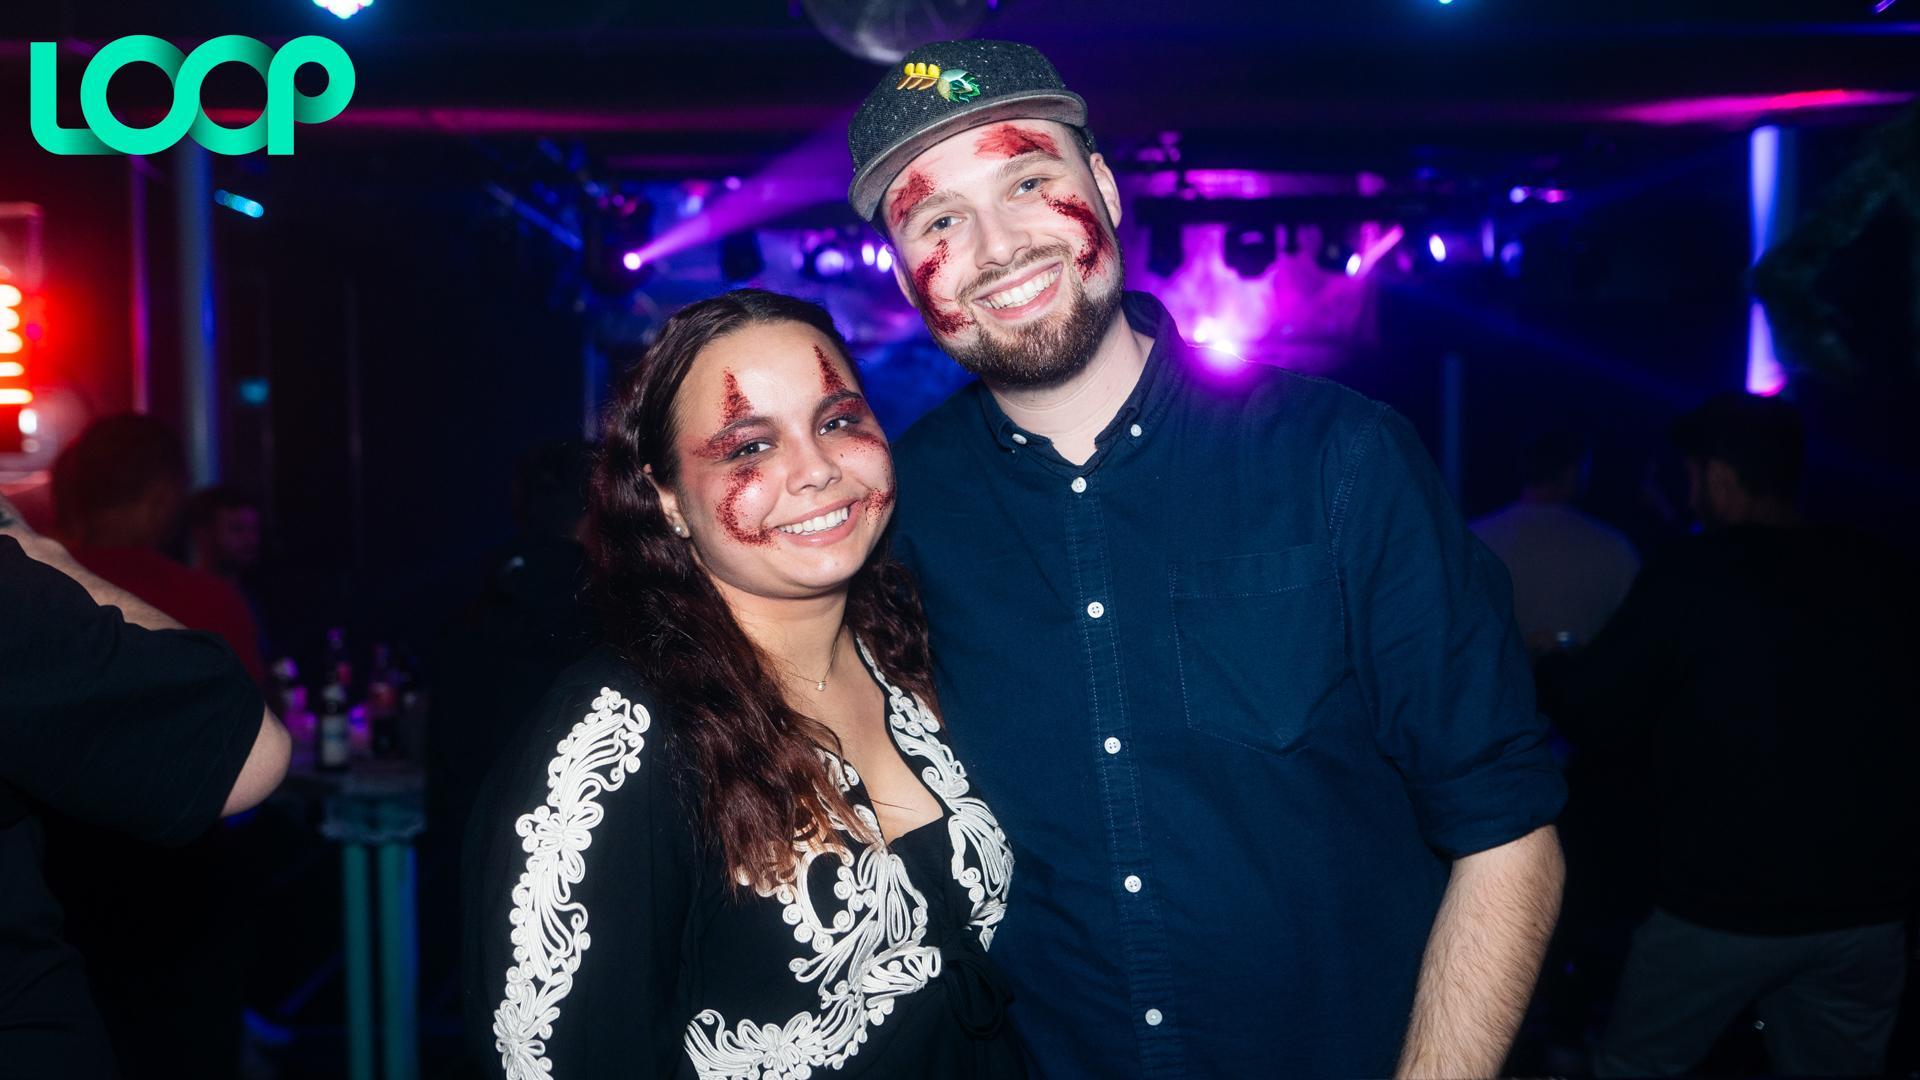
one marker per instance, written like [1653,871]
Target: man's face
[232,538]
[1006,244]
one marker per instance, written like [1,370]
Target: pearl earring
[679,529]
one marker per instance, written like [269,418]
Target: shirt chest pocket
[1261,644]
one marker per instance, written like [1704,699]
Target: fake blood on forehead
[916,188]
[1070,206]
[736,407]
[1012,140]
[830,380]
[939,319]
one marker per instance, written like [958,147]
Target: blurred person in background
[1569,570]
[224,527]
[111,713]
[497,658]
[1762,672]
[118,493]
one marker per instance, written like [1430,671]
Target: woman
[734,842]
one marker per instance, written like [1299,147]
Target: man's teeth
[1022,293]
[814,525]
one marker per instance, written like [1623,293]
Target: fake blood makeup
[1012,140]
[941,320]
[1071,207]
[912,192]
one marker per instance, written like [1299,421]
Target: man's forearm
[1483,957]
[105,593]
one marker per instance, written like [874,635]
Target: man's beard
[1043,353]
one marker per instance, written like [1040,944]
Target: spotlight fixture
[1250,249]
[827,260]
[345,9]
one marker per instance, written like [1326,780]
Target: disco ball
[883,31]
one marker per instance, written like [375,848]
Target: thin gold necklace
[820,683]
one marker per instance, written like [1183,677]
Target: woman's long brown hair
[754,760]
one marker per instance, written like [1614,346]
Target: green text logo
[105,134]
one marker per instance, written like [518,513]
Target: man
[118,491]
[111,713]
[1569,571]
[1241,686]
[1762,669]
[223,530]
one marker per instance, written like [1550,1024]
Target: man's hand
[41,548]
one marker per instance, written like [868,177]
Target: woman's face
[785,479]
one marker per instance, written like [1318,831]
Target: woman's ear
[669,502]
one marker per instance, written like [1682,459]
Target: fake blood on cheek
[1070,206]
[939,319]
[729,512]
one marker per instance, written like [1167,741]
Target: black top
[1765,678]
[1240,687]
[603,939]
[139,730]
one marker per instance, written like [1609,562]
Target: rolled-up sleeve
[1432,639]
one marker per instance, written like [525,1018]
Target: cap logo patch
[951,85]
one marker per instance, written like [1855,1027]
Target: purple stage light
[1745,108]
[631,260]
[1519,194]
[1765,375]
[1553,195]
[807,175]
[1437,248]
[1378,249]
[1354,263]
[866,254]
[883,259]
[831,261]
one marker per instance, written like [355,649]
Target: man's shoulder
[931,439]
[1283,402]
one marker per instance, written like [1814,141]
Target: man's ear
[1109,188]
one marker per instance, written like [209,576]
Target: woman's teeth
[1022,293]
[818,524]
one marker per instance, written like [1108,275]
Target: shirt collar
[1151,393]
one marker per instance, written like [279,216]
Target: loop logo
[105,134]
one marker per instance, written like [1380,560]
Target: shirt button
[1134,431]
[1112,744]
[1132,883]
[1096,609]
[1019,438]
[1154,1018]
[1079,484]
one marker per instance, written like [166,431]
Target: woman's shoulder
[599,706]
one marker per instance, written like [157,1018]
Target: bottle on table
[334,733]
[290,701]
[383,719]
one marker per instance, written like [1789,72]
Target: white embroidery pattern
[870,955]
[549,927]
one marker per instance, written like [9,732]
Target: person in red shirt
[118,493]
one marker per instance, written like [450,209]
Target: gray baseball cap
[943,88]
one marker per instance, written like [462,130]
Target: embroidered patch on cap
[951,85]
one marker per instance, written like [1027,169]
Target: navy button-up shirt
[1239,688]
